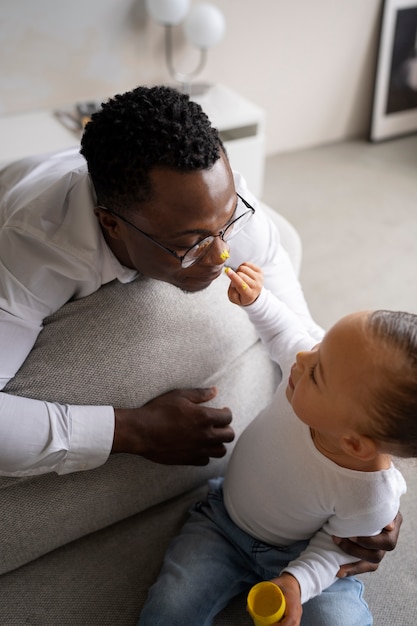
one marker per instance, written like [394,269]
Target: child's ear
[359,446]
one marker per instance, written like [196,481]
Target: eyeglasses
[198,250]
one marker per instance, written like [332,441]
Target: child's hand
[245,284]
[293,607]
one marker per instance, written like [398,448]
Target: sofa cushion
[124,345]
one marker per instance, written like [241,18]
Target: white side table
[241,125]
[26,134]
[239,122]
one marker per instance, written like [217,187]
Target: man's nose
[218,253]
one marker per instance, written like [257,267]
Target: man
[159,199]
[159,185]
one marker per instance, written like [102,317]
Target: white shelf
[227,109]
[241,125]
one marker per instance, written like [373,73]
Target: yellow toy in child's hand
[224,255]
[266,604]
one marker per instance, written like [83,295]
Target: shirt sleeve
[39,437]
[283,333]
[317,566]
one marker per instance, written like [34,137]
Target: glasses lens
[243,215]
[237,225]
[197,252]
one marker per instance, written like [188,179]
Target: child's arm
[279,328]
[363,509]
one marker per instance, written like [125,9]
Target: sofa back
[124,345]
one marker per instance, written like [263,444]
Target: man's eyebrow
[202,231]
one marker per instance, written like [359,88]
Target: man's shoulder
[66,159]
[40,183]
[41,166]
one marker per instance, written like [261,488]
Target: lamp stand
[185,79]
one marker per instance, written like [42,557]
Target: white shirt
[52,250]
[280,489]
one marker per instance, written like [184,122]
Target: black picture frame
[394,108]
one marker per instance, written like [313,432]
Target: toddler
[315,463]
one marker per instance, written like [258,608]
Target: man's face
[185,207]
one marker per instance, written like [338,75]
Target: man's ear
[108,222]
[359,446]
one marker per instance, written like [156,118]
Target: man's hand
[371,550]
[175,428]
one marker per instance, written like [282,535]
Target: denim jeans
[212,560]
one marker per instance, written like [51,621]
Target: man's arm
[38,437]
[176,428]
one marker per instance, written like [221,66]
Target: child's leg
[341,604]
[201,573]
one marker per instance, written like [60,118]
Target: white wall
[309,63]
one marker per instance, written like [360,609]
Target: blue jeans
[212,560]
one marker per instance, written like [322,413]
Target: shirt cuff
[92,432]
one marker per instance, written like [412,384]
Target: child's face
[329,385]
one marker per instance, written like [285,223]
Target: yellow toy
[266,604]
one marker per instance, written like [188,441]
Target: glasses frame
[172,252]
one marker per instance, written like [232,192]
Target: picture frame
[394,107]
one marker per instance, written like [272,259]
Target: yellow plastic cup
[266,604]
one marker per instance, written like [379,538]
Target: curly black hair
[139,130]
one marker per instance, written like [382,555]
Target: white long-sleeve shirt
[280,489]
[52,250]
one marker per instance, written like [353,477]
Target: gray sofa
[83,548]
